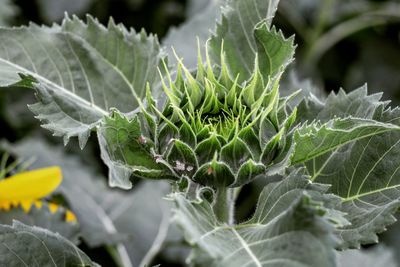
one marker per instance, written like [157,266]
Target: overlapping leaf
[288,228]
[365,173]
[45,248]
[243,39]
[83,70]
[313,140]
[126,152]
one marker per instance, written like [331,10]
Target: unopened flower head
[214,129]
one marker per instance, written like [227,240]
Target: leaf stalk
[224,204]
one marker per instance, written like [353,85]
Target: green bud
[216,131]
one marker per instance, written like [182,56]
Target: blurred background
[341,43]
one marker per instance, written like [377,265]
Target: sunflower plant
[329,166]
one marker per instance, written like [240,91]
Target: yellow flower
[27,188]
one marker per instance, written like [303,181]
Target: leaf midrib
[71,93]
[247,248]
[64,90]
[357,196]
[322,152]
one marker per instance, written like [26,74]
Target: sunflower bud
[214,130]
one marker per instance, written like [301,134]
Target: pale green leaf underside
[83,70]
[365,173]
[45,248]
[287,229]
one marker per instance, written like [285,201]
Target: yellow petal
[28,186]
[5,205]
[38,204]
[52,207]
[69,215]
[26,205]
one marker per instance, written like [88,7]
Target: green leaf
[235,153]
[106,215]
[315,139]
[187,135]
[368,179]
[83,71]
[62,116]
[277,153]
[243,37]
[357,104]
[214,173]
[45,248]
[135,56]
[42,217]
[126,152]
[248,172]
[275,52]
[287,229]
[271,148]
[292,184]
[183,156]
[205,149]
[250,138]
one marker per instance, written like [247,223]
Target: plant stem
[224,204]
[116,256]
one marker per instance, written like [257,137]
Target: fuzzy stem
[224,204]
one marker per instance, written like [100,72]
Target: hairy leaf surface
[126,152]
[365,173]
[288,228]
[45,248]
[315,139]
[242,39]
[83,70]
